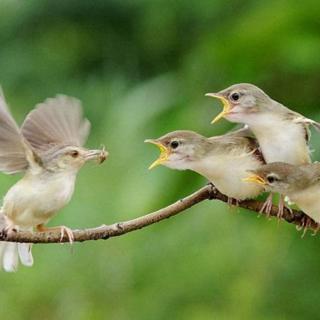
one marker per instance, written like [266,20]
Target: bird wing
[299,118]
[305,122]
[243,131]
[56,121]
[247,137]
[254,146]
[243,138]
[15,153]
[312,170]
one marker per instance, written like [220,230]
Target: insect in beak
[99,155]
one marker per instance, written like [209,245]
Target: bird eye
[174,144]
[235,96]
[271,179]
[74,153]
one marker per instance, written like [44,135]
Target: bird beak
[226,105]
[256,179]
[99,155]
[164,153]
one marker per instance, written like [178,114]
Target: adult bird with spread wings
[49,150]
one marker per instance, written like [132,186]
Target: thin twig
[209,192]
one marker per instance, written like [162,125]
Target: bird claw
[281,208]
[8,225]
[64,231]
[267,206]
[68,232]
[8,229]
[306,223]
[316,230]
[232,202]
[280,212]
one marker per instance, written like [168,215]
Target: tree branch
[209,192]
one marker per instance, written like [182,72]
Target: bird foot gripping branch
[64,231]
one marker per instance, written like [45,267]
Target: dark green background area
[141,69]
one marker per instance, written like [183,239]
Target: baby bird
[49,150]
[223,160]
[283,135]
[300,183]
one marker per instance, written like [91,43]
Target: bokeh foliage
[141,69]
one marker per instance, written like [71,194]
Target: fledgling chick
[283,135]
[223,160]
[49,150]
[300,183]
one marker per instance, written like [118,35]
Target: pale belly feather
[281,140]
[308,201]
[34,200]
[227,172]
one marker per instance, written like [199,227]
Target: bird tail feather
[12,252]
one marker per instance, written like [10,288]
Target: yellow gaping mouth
[226,106]
[164,153]
[256,179]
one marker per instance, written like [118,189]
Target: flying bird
[48,149]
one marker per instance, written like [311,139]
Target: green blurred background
[141,69]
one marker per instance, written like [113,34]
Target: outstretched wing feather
[12,147]
[57,120]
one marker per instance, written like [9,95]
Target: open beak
[226,105]
[164,153]
[256,179]
[99,155]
